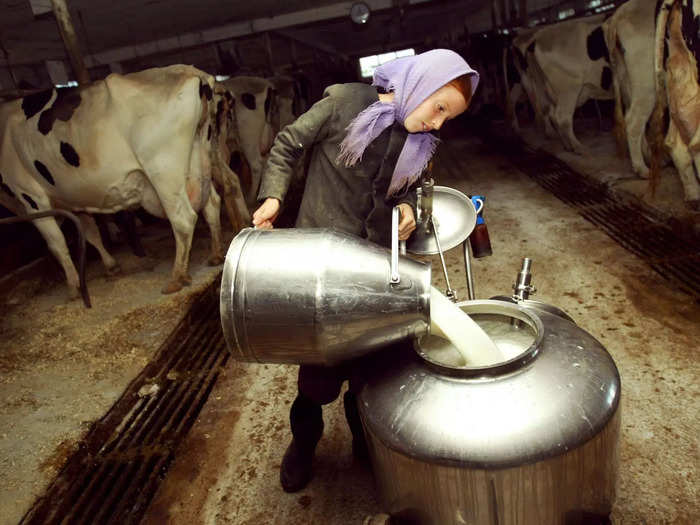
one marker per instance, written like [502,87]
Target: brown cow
[677,90]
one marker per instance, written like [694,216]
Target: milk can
[318,296]
[530,440]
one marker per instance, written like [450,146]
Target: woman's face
[445,104]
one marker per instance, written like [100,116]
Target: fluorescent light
[39,7]
[369,63]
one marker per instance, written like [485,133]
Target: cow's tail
[656,126]
[206,96]
[619,128]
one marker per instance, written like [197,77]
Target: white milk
[509,340]
[448,321]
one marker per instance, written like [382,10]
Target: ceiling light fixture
[359,13]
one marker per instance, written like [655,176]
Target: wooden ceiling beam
[217,34]
[308,42]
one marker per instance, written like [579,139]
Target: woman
[367,150]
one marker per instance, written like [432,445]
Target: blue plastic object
[475,202]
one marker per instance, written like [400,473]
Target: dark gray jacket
[351,200]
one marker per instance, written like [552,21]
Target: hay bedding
[63,366]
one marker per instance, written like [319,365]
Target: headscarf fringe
[362,130]
[401,182]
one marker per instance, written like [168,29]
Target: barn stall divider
[81,242]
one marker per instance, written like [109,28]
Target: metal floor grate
[661,242]
[118,467]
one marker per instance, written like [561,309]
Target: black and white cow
[142,139]
[676,68]
[224,139]
[568,64]
[518,81]
[287,102]
[254,99]
[629,36]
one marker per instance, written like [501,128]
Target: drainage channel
[119,465]
[663,243]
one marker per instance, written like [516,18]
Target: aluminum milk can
[318,296]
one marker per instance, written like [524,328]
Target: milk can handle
[395,277]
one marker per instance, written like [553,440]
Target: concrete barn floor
[63,366]
[227,469]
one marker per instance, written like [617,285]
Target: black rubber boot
[352,415]
[306,420]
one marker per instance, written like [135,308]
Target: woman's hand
[266,214]
[407,222]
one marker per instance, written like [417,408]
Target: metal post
[425,211]
[450,293]
[503,12]
[268,51]
[523,13]
[522,287]
[81,242]
[468,268]
[70,40]
[395,277]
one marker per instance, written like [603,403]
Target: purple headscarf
[412,79]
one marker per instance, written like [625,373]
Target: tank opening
[514,342]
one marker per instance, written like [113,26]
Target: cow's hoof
[642,173]
[216,260]
[173,286]
[73,293]
[186,280]
[114,270]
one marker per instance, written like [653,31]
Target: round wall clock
[359,13]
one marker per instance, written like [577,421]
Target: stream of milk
[448,321]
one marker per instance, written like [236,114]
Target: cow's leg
[92,235]
[126,221]
[540,111]
[53,236]
[546,110]
[37,201]
[683,162]
[212,213]
[171,201]
[182,219]
[635,123]
[512,103]
[228,197]
[34,199]
[234,202]
[563,117]
[241,208]
[550,129]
